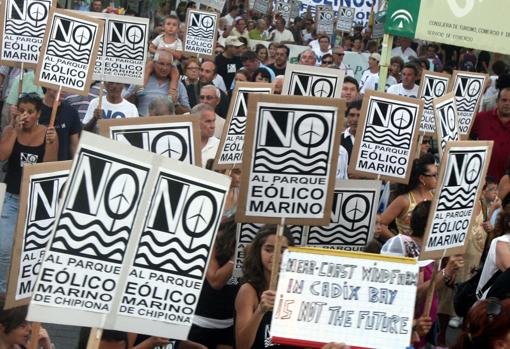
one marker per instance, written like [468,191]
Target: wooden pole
[94,338]
[385,61]
[21,74]
[420,141]
[55,107]
[100,102]
[34,340]
[431,290]
[277,255]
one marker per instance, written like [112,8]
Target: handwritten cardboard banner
[302,80]
[200,35]
[447,121]
[461,174]
[289,160]
[433,85]
[353,214]
[230,151]
[177,137]
[361,299]
[23,24]
[40,192]
[69,51]
[133,228]
[388,130]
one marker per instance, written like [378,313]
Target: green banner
[467,23]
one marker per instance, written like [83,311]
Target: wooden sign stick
[21,74]
[55,107]
[277,255]
[94,338]
[36,327]
[431,289]
[420,141]
[100,101]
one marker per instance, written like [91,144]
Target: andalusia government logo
[402,18]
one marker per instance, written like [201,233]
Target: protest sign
[325,20]
[289,159]
[468,88]
[302,80]
[245,233]
[200,37]
[283,8]
[295,9]
[433,85]
[345,19]
[377,31]
[261,6]
[352,223]
[122,210]
[388,130]
[447,121]
[23,24]
[358,62]
[230,151]
[177,137]
[461,176]
[362,8]
[40,191]
[123,49]
[215,4]
[68,53]
[361,299]
[475,24]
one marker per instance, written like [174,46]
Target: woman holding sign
[254,302]
[24,142]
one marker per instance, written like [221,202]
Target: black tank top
[21,156]
[218,304]
[263,336]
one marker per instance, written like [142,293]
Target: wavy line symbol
[427,102]
[386,136]
[291,161]
[14,27]
[68,52]
[123,51]
[248,232]
[338,234]
[466,105]
[201,33]
[171,255]
[37,235]
[237,125]
[456,198]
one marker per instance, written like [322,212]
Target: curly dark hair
[11,318]
[225,244]
[253,270]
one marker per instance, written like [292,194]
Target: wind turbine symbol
[310,134]
[400,119]
[169,150]
[121,198]
[135,37]
[81,38]
[355,210]
[37,12]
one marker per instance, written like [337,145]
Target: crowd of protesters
[237,313]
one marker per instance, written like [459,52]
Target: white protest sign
[378,31]
[463,168]
[468,88]
[40,191]
[230,151]
[325,21]
[283,8]
[447,121]
[345,19]
[361,299]
[362,8]
[23,24]
[261,6]
[201,27]
[388,130]
[355,204]
[358,62]
[123,49]
[302,80]
[295,9]
[215,4]
[246,232]
[432,86]
[69,51]
[122,210]
[177,137]
[289,159]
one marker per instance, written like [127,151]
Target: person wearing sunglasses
[338,58]
[327,60]
[487,326]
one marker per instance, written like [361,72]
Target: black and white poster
[355,204]
[123,49]
[291,144]
[468,89]
[388,130]
[260,6]
[345,18]
[463,168]
[447,120]
[215,4]
[283,8]
[200,38]
[326,18]
[295,9]
[23,23]
[245,234]
[433,85]
[69,51]
[302,80]
[232,141]
[176,137]
[171,257]
[41,187]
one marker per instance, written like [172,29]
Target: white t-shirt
[367,74]
[372,84]
[399,89]
[123,109]
[210,149]
[490,267]
[160,43]
[219,124]
[229,20]
[405,55]
[286,35]
[319,54]
[343,164]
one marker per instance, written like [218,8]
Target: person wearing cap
[338,57]
[404,51]
[280,33]
[373,68]
[229,61]
[251,63]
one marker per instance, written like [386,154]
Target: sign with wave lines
[69,51]
[23,23]
[201,28]
[289,159]
[461,177]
